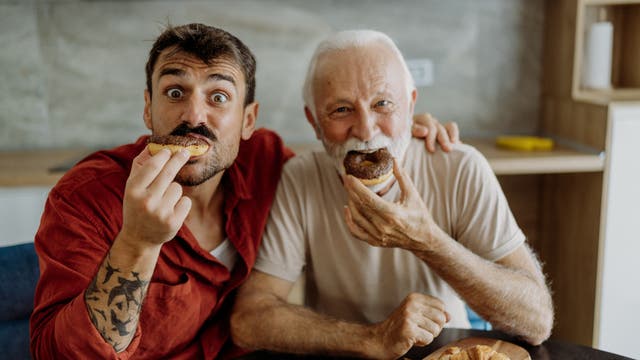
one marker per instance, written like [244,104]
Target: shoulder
[460,157]
[101,169]
[260,161]
[264,144]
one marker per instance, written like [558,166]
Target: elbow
[541,331]
[241,330]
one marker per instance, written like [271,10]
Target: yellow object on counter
[525,143]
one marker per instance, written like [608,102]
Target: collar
[236,180]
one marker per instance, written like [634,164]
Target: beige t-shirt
[352,280]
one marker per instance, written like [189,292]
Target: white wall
[20,211]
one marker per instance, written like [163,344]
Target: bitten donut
[195,146]
[371,168]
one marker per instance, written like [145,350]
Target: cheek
[394,125]
[335,131]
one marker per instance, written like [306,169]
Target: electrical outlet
[422,71]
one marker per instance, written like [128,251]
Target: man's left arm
[511,292]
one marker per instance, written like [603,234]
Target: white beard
[396,147]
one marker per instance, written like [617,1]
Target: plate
[513,351]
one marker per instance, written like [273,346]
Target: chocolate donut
[370,167]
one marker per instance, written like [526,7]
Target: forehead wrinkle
[172,71]
[221,77]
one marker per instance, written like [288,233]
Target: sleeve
[282,251]
[70,249]
[484,223]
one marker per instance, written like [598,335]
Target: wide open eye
[174,93]
[219,97]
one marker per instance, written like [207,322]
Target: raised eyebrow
[223,77]
[182,73]
[172,71]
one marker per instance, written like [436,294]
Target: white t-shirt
[226,253]
[349,279]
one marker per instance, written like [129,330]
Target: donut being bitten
[175,143]
[371,168]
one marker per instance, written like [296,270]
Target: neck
[206,197]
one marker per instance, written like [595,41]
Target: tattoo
[110,272]
[119,325]
[128,288]
[121,299]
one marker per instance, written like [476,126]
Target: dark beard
[207,174]
[215,163]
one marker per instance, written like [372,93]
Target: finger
[433,319]
[169,172]
[407,190]
[422,119]
[431,137]
[443,138]
[364,221]
[363,197]
[423,337]
[356,230]
[173,194]
[180,212]
[145,167]
[453,131]
[419,131]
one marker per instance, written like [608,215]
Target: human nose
[195,111]
[365,126]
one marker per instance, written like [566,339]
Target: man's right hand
[416,322]
[153,207]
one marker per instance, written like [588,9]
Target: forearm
[114,298]
[270,323]
[513,300]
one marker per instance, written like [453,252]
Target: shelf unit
[570,228]
[625,77]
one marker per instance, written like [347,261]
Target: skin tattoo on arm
[114,301]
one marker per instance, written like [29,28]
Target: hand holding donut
[406,224]
[153,207]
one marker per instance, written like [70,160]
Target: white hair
[345,40]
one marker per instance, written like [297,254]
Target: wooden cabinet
[580,220]
[618,300]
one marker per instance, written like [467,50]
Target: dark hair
[208,44]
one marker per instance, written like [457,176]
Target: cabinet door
[619,320]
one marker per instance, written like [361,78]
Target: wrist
[433,242]
[372,343]
[132,250]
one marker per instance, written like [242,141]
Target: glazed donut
[371,168]
[174,143]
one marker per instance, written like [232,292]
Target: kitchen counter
[45,167]
[33,167]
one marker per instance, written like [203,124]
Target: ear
[312,122]
[146,114]
[412,103]
[249,120]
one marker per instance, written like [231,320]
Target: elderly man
[384,271]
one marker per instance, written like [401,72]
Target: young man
[140,254]
[384,271]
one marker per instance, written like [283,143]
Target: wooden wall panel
[569,237]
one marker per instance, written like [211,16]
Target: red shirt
[185,314]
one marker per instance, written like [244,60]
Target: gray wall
[72,72]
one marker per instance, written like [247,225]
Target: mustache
[184,129]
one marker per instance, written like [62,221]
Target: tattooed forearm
[114,303]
